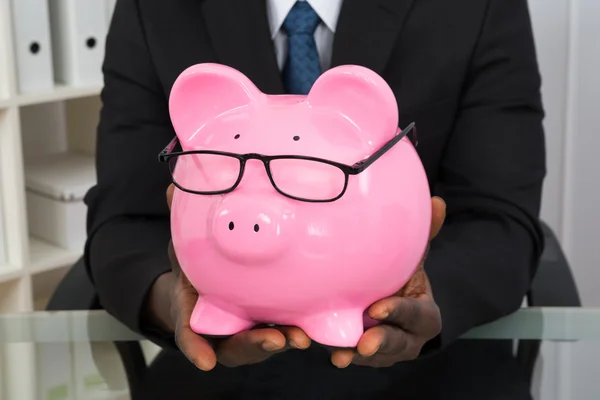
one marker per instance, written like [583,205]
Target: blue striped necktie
[302,67]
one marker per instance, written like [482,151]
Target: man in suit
[465,71]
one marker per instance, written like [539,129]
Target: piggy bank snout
[249,230]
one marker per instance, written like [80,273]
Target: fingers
[380,346]
[175,267]
[418,286]
[194,347]
[170,191]
[249,347]
[384,346]
[384,339]
[296,338]
[341,358]
[379,340]
[257,345]
[438,214]
[413,315]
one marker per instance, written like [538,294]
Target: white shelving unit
[37,126]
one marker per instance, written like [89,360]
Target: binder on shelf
[32,45]
[78,30]
[55,187]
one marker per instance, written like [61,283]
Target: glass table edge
[534,323]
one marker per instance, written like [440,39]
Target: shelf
[63,176]
[45,257]
[10,294]
[5,103]
[44,284]
[9,272]
[58,93]
[50,117]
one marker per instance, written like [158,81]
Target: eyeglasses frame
[167,153]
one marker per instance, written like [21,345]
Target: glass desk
[548,324]
[71,355]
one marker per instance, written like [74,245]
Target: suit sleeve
[483,261]
[128,216]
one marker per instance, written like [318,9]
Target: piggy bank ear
[360,95]
[203,92]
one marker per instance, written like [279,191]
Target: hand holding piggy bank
[293,210]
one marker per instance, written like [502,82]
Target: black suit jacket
[464,70]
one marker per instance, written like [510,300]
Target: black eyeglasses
[303,178]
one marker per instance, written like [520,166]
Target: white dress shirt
[328,11]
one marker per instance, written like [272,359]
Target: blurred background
[50,79]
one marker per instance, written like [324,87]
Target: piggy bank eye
[237,136]
[296,138]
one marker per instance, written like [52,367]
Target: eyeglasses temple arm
[164,154]
[363,164]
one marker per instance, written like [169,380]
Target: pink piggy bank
[293,210]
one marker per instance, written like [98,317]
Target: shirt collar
[328,11]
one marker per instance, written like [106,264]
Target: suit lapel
[239,32]
[367,30]
[230,32]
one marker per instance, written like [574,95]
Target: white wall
[582,204]
[582,171]
[568,41]
[551,31]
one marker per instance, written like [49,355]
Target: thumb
[438,214]
[170,191]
